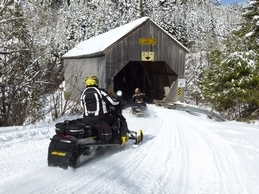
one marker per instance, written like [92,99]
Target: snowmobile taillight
[64,136]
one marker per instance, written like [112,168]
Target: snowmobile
[139,109]
[76,141]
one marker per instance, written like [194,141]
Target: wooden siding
[77,69]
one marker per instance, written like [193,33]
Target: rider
[96,103]
[138,97]
[138,100]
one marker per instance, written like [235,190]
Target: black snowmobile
[79,140]
[139,109]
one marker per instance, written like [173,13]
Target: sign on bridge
[147,56]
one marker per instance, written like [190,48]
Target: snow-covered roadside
[180,153]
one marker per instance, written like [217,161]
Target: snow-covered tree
[55,26]
[231,83]
[19,72]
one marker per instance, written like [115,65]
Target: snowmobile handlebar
[119,98]
[118,108]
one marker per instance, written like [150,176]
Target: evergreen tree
[19,72]
[231,84]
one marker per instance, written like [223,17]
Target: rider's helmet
[137,90]
[91,80]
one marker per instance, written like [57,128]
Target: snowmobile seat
[71,128]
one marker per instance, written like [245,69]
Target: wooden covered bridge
[138,54]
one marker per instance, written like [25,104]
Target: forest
[221,68]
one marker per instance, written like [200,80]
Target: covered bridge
[138,54]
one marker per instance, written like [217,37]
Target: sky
[181,153]
[226,2]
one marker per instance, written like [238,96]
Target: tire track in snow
[175,174]
[223,162]
[132,165]
[172,146]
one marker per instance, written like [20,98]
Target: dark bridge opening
[150,77]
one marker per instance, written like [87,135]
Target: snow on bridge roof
[101,42]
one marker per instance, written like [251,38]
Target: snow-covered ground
[181,153]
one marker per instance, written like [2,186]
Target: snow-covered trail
[180,153]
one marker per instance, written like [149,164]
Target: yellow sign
[147,41]
[147,56]
[179,91]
